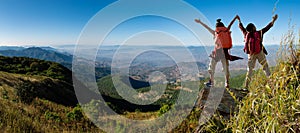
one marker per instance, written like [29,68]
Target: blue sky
[57,22]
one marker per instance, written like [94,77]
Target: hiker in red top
[254,48]
[223,43]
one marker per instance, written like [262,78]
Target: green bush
[165,108]
[75,114]
[52,116]
[5,94]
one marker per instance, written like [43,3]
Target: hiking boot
[209,84]
[244,89]
[226,85]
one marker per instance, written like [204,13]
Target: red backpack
[253,43]
[223,37]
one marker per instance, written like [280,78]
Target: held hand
[275,18]
[238,18]
[197,21]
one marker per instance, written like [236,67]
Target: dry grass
[38,116]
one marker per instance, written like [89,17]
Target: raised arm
[242,28]
[204,25]
[232,21]
[264,30]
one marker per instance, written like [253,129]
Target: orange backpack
[223,37]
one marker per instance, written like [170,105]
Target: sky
[61,22]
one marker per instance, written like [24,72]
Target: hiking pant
[251,64]
[212,68]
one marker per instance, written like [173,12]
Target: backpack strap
[221,29]
[261,36]
[248,43]
[262,46]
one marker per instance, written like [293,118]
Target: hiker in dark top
[221,51]
[255,38]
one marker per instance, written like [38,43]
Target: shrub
[5,94]
[165,108]
[75,114]
[52,116]
[26,92]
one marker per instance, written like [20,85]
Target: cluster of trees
[107,89]
[29,66]
[56,91]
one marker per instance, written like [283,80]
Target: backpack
[223,37]
[253,43]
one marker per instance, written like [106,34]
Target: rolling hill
[39,53]
[37,78]
[54,55]
[30,66]
[27,79]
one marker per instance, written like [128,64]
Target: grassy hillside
[38,96]
[26,88]
[273,103]
[39,104]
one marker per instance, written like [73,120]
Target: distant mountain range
[50,54]
[43,53]
[142,65]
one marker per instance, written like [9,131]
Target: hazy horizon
[111,45]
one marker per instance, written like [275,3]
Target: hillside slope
[38,96]
[48,80]
[24,87]
[39,104]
